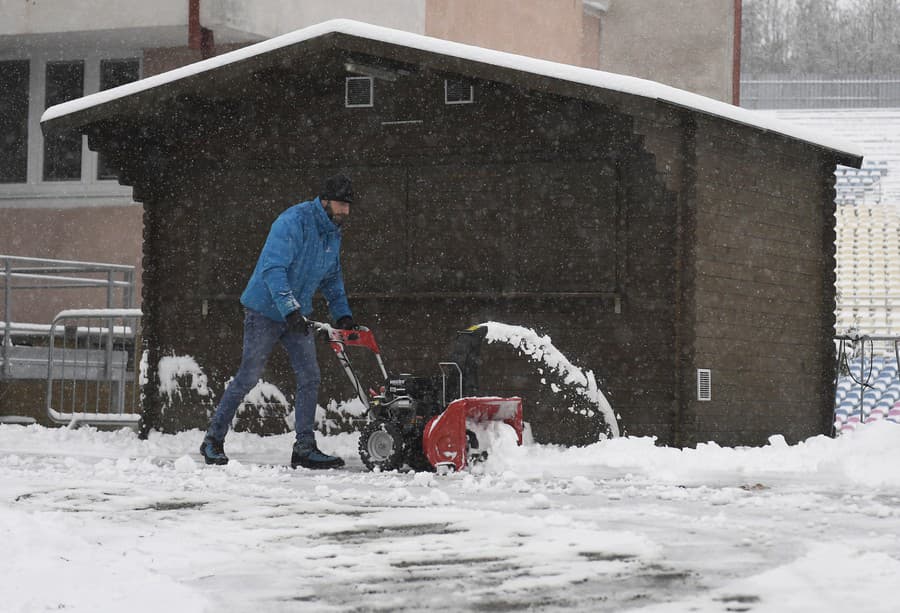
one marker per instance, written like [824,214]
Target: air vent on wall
[704,384]
[458,92]
[359,92]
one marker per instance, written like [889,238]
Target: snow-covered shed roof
[850,153]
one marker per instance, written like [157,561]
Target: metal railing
[29,274]
[867,374]
[820,93]
[91,367]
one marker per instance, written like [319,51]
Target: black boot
[213,451]
[311,457]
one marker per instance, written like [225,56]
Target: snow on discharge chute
[540,350]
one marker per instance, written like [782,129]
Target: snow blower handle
[341,339]
[338,338]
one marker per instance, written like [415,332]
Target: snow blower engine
[421,422]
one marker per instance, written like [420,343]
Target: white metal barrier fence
[112,284]
[93,367]
[811,92]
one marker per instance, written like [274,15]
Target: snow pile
[260,397]
[540,349]
[40,545]
[340,416]
[867,457]
[833,576]
[171,368]
[265,393]
[143,377]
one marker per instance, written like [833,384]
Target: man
[300,256]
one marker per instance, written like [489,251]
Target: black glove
[346,323]
[296,322]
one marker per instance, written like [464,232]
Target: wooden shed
[681,248]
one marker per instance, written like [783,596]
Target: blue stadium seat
[891,395]
[849,407]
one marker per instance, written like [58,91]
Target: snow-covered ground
[101,521]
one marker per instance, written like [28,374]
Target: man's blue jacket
[301,255]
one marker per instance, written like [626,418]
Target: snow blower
[421,422]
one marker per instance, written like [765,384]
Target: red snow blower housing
[421,422]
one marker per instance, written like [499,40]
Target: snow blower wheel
[381,446]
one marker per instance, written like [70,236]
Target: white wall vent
[458,92]
[359,92]
[704,384]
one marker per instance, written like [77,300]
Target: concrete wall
[281,16]
[687,44]
[110,235]
[547,29]
[20,17]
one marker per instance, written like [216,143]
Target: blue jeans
[260,336]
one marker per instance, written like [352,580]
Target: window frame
[36,192]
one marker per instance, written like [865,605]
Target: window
[56,163]
[14,121]
[458,92]
[359,92]
[114,73]
[62,148]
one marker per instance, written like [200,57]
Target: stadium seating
[868,269]
[871,394]
[868,216]
[860,186]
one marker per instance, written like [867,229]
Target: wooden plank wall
[764,228]
[667,134]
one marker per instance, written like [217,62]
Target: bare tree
[765,36]
[825,37]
